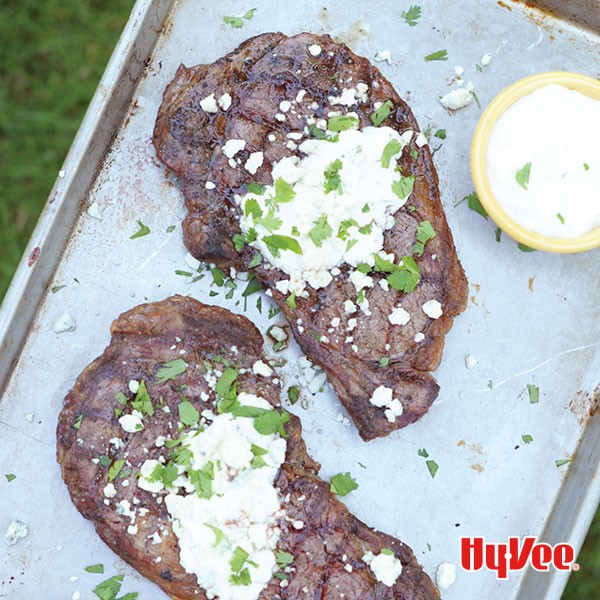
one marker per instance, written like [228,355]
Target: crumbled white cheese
[456,99]
[421,140]
[131,423]
[109,490]
[470,361]
[262,368]
[209,104]
[16,530]
[64,323]
[486,59]
[446,575]
[386,567]
[399,316]
[133,386]
[433,309]
[209,185]
[458,70]
[344,234]
[383,55]
[279,334]
[349,307]
[383,398]
[285,105]
[300,95]
[255,160]
[132,529]
[352,324]
[225,101]
[232,147]
[419,337]
[347,97]
[298,524]
[360,280]
[315,49]
[76,595]
[335,322]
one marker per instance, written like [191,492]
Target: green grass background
[52,54]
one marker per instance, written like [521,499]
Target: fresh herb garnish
[78,421]
[170,229]
[382,113]
[170,370]
[432,466]
[342,484]
[405,276]
[293,394]
[586,166]
[188,413]
[258,460]
[475,204]
[255,260]
[439,55]
[422,452]
[534,393]
[284,192]
[142,402]
[272,422]
[219,535]
[344,227]
[95,569]
[10,477]
[333,181]
[255,188]
[391,148]
[57,288]
[412,15]
[317,133]
[283,559]
[441,134]
[320,231]
[560,218]
[108,590]
[387,551]
[252,287]
[498,234]
[202,480]
[425,232]
[142,231]
[527,438]
[291,300]
[105,461]
[403,187]
[275,243]
[342,122]
[522,175]
[238,22]
[562,461]
[524,248]
[115,469]
[384,361]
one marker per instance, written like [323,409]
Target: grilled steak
[258,76]
[101,462]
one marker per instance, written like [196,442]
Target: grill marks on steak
[258,75]
[142,340]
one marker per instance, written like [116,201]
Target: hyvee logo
[475,553]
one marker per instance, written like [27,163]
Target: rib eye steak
[161,381]
[223,127]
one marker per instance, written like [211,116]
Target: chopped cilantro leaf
[241,578]
[270,222]
[403,187]
[78,421]
[522,175]
[293,394]
[219,535]
[475,204]
[562,461]
[202,480]
[182,456]
[412,15]
[95,569]
[432,466]
[363,268]
[108,590]
[342,484]
[342,122]
[240,556]
[422,452]
[344,227]
[275,243]
[317,133]
[586,166]
[527,438]
[366,208]
[382,113]
[366,229]
[291,301]
[239,241]
[225,383]
[387,551]
[439,55]
[441,134]
[498,234]
[283,559]
[425,232]
[255,260]
[391,148]
[251,207]
[142,402]
[249,14]
[218,276]
[524,248]
[534,393]
[170,370]
[142,231]
[560,218]
[183,273]
[252,287]
[57,288]
[320,231]
[255,188]
[384,361]
[333,181]
[406,277]
[115,469]
[235,22]
[105,461]
[10,477]
[188,413]
[170,229]
[272,421]
[284,192]
[129,596]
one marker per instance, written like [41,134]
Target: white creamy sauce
[244,505]
[564,176]
[343,225]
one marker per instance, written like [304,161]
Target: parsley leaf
[276,242]
[475,204]
[342,122]
[527,438]
[439,55]
[333,181]
[343,229]
[422,452]
[403,187]
[391,148]
[425,232]
[142,402]
[238,22]
[406,277]
[522,175]
[342,484]
[272,421]
[441,134]
[142,231]
[219,535]
[534,393]
[108,590]
[255,188]
[95,569]
[412,15]
[188,413]
[293,394]
[258,460]
[115,469]
[382,113]
[291,301]
[432,466]
[238,559]
[320,231]
[387,551]
[10,477]
[283,559]
[251,207]
[284,192]
[224,387]
[170,370]
[202,480]
[270,222]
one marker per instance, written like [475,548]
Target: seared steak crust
[258,75]
[143,339]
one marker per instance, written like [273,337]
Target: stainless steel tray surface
[532,317]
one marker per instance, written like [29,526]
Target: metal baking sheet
[532,317]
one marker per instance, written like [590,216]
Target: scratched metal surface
[531,319]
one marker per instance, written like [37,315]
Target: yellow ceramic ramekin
[586,85]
